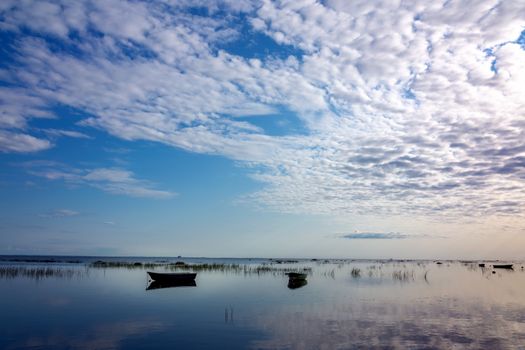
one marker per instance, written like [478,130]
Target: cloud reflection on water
[441,324]
[102,336]
[455,305]
[392,304]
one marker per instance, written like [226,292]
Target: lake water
[343,305]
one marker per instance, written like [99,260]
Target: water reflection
[101,336]
[228,315]
[170,284]
[296,283]
[446,324]
[381,304]
[459,307]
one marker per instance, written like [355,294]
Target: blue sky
[262,128]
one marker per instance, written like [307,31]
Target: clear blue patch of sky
[521,40]
[203,11]
[259,45]
[196,177]
[250,43]
[255,44]
[489,52]
[409,94]
[7,41]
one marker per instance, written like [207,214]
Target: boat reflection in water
[170,284]
[296,283]
[296,280]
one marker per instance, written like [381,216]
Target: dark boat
[481,265]
[171,284]
[172,277]
[503,266]
[296,275]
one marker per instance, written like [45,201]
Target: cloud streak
[111,180]
[60,213]
[376,235]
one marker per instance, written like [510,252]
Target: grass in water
[403,275]
[356,273]
[181,266]
[38,272]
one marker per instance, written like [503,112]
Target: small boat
[481,265]
[503,266]
[170,277]
[296,275]
[171,284]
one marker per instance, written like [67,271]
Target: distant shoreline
[90,258]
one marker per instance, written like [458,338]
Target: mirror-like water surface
[252,304]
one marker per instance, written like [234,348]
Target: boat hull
[171,284]
[296,275]
[171,277]
[503,266]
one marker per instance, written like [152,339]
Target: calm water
[381,305]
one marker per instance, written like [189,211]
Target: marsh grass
[397,271]
[181,266]
[238,269]
[124,264]
[403,275]
[355,273]
[38,273]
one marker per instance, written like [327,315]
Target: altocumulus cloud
[408,107]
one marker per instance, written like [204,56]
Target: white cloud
[111,180]
[20,142]
[59,213]
[409,107]
[68,133]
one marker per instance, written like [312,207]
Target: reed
[403,275]
[356,273]
[205,267]
[124,264]
[8,272]
[181,266]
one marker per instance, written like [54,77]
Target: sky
[357,129]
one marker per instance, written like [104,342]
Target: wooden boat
[503,266]
[170,277]
[171,284]
[296,275]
